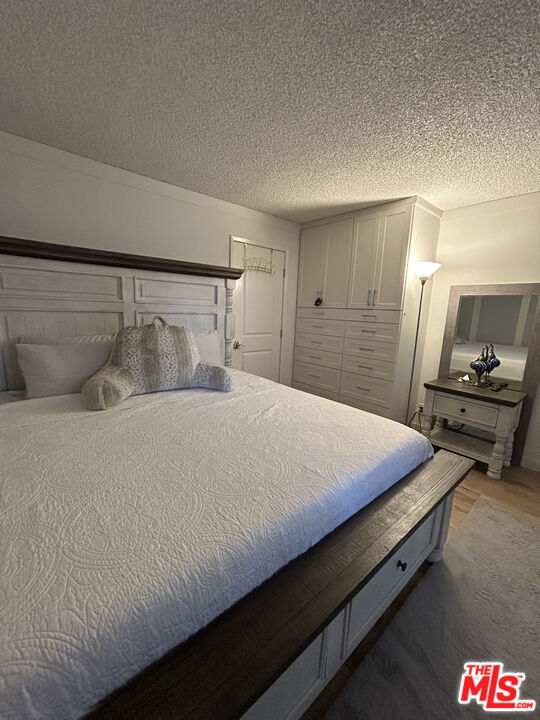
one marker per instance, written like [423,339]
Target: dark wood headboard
[72,253]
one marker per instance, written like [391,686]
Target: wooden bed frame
[270,654]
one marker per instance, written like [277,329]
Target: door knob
[237,344]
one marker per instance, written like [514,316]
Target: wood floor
[519,492]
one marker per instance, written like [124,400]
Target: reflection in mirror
[506,322]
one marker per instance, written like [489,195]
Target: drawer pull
[315,357]
[367,349]
[316,342]
[402,565]
[317,377]
[364,367]
[371,316]
[462,409]
[374,332]
[358,387]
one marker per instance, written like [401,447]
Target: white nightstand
[495,413]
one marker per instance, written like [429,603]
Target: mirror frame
[531,375]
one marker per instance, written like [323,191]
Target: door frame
[266,246]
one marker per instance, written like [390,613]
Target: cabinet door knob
[368,296]
[402,565]
[462,409]
[374,296]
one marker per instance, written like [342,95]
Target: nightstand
[495,414]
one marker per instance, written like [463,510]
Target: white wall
[493,242]
[54,196]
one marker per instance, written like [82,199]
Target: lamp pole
[423,281]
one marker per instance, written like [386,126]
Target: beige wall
[494,242]
[54,196]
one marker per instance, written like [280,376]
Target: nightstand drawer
[469,411]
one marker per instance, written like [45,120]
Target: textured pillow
[157,356]
[210,347]
[60,369]
[107,388]
[153,357]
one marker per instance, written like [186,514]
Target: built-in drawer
[470,411]
[380,316]
[375,597]
[295,688]
[315,390]
[378,369]
[380,332]
[318,357]
[374,409]
[371,390]
[321,312]
[325,378]
[370,349]
[319,342]
[320,327]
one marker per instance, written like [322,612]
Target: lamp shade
[424,270]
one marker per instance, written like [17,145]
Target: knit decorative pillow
[153,357]
[107,388]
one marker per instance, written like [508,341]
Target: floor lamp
[423,271]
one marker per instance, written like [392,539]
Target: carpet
[481,602]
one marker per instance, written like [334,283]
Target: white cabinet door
[364,253]
[391,258]
[337,262]
[325,255]
[313,253]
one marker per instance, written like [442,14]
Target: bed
[150,528]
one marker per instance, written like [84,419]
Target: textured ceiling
[295,107]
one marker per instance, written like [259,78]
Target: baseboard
[531,463]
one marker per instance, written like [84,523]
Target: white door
[258,309]
[391,258]
[364,252]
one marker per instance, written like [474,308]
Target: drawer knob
[402,565]
[462,409]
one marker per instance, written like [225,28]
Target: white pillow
[210,347]
[60,369]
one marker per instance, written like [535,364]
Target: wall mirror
[506,316]
[505,322]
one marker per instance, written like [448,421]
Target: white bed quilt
[123,532]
